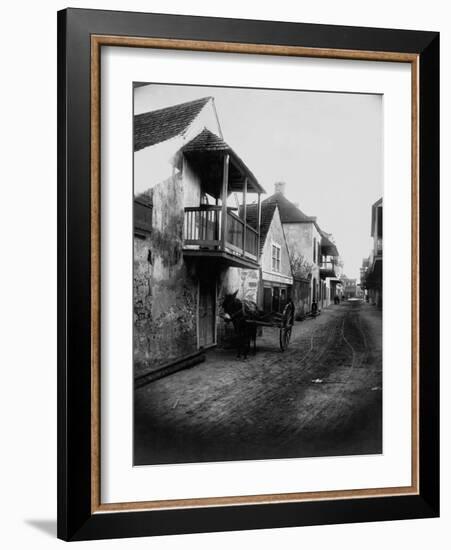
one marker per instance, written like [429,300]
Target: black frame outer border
[75,521]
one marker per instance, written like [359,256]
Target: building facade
[330,271]
[275,278]
[371,273]
[190,243]
[349,287]
[313,255]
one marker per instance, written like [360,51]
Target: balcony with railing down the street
[328,268]
[204,235]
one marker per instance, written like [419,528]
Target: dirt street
[322,396]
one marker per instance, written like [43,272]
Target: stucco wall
[299,238]
[165,291]
[191,185]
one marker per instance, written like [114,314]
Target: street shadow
[46,526]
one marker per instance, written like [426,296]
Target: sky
[327,148]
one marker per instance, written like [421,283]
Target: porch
[217,228]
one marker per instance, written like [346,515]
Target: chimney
[279,187]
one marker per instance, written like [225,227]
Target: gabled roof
[208,142]
[289,212]
[163,124]
[267,215]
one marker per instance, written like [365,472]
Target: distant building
[349,287]
[330,270]
[314,257]
[303,239]
[371,270]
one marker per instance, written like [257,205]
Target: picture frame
[81,36]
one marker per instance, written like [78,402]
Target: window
[276,258]
[314,250]
[142,214]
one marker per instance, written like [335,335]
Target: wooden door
[207,312]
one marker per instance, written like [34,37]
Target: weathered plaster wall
[191,185]
[155,164]
[300,238]
[165,291]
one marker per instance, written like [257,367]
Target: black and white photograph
[257,291]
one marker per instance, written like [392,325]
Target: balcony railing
[327,265]
[203,229]
[202,226]
[328,268]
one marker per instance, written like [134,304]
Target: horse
[238,312]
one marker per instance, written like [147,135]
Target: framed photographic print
[248,274]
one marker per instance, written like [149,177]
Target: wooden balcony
[378,246]
[327,269]
[207,234]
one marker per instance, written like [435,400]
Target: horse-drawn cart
[246,317]
[283,321]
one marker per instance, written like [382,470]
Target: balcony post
[244,215]
[225,184]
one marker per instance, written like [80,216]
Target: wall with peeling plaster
[165,287]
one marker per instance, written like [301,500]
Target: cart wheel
[287,325]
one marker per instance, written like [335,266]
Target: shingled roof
[163,124]
[208,142]
[289,212]
[267,214]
